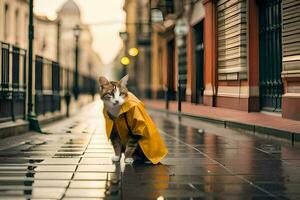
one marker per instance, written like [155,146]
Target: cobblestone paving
[72,161]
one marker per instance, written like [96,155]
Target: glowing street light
[133,52]
[125,61]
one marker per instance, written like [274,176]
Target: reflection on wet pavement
[233,166]
[73,162]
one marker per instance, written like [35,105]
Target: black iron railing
[51,83]
[47,86]
[12,82]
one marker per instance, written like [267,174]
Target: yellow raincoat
[141,124]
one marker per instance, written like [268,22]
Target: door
[270,55]
[198,88]
[171,89]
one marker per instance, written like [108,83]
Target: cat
[113,94]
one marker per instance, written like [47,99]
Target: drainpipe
[215,61]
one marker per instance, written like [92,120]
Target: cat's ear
[103,81]
[124,80]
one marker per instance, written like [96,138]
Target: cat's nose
[116,102]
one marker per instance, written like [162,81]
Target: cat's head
[113,93]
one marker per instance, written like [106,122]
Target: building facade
[89,62]
[14,22]
[138,36]
[238,54]
[50,35]
[53,60]
[45,38]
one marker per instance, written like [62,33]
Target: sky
[106,37]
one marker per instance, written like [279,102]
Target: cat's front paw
[129,160]
[115,158]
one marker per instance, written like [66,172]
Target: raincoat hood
[140,124]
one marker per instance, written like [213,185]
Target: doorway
[198,75]
[270,55]
[170,70]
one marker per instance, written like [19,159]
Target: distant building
[138,30]
[54,39]
[14,22]
[53,60]
[45,39]
[89,62]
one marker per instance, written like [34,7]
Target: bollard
[179,97]
[167,97]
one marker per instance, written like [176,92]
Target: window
[16,27]
[25,34]
[6,22]
[169,5]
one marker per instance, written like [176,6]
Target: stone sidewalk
[264,123]
[72,161]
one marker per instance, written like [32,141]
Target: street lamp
[76,32]
[133,51]
[181,29]
[156,15]
[123,35]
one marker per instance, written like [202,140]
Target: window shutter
[232,39]
[291,37]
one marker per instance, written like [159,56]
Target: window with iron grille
[270,54]
[169,7]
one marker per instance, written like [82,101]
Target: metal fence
[13,82]
[47,86]
[51,82]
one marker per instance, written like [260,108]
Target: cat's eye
[107,96]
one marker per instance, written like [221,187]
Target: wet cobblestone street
[72,161]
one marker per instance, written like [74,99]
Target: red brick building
[240,54]
[251,57]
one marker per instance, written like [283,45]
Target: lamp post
[125,61]
[30,50]
[181,30]
[76,31]
[31,116]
